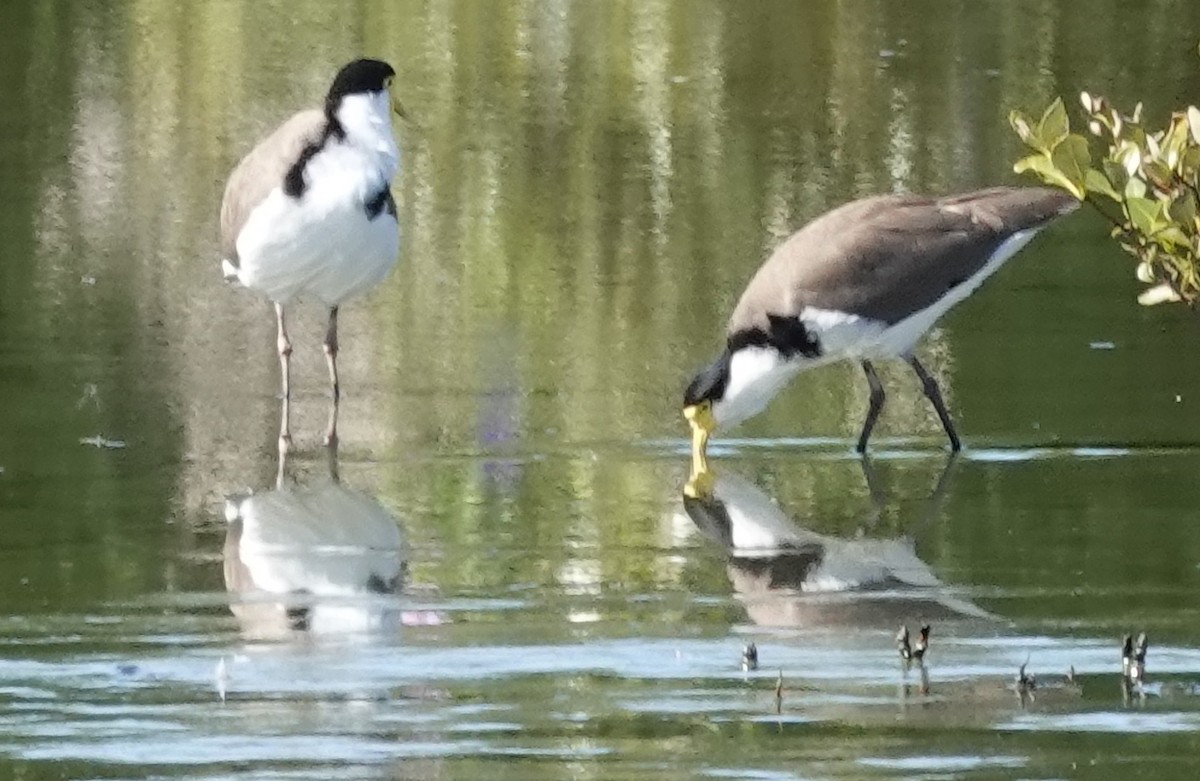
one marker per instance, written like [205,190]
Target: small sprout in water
[222,678]
[750,657]
[1133,658]
[902,644]
[1026,683]
[922,644]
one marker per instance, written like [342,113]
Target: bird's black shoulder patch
[788,335]
[381,203]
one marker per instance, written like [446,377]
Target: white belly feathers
[322,244]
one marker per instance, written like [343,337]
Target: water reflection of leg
[282,469]
[874,491]
[284,345]
[331,351]
[934,505]
[331,454]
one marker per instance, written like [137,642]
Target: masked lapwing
[862,282]
[309,211]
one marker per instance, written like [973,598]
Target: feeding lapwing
[862,282]
[309,211]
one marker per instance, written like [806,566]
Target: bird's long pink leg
[331,351]
[285,371]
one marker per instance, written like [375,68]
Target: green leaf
[1143,213]
[1073,159]
[1041,165]
[1172,238]
[1182,210]
[1115,172]
[1054,126]
[1158,173]
[1135,188]
[1175,141]
[1189,165]
[1096,182]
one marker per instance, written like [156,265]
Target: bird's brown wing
[890,256]
[262,170]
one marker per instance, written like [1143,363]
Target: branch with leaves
[1146,183]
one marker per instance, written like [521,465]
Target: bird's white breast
[324,243]
[756,374]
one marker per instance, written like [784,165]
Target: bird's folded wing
[890,256]
[262,170]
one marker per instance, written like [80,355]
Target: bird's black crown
[358,77]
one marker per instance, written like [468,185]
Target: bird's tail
[229,270]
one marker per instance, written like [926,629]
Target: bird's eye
[388,82]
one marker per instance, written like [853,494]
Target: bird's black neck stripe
[788,335]
[293,182]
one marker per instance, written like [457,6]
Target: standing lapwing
[862,282]
[309,212]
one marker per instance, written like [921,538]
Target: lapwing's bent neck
[756,375]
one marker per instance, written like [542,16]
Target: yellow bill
[702,421]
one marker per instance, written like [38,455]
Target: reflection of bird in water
[791,576]
[313,556]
